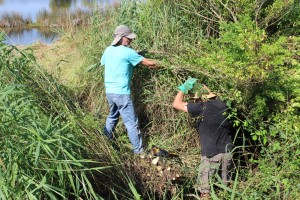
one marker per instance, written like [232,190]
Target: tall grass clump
[244,51]
[42,153]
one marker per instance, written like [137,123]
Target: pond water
[29,9]
[29,36]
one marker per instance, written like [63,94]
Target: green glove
[188,85]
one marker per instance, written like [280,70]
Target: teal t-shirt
[119,63]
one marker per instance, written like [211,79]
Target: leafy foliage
[246,51]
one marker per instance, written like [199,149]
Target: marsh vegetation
[247,52]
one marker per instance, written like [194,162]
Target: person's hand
[148,62]
[188,85]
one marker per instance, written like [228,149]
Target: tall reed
[42,154]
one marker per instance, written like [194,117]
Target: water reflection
[18,36]
[30,8]
[46,13]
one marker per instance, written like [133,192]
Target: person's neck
[121,45]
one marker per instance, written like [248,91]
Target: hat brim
[204,96]
[116,40]
[210,95]
[131,36]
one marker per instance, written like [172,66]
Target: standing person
[119,61]
[214,130]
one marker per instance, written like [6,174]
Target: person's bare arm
[148,63]
[178,102]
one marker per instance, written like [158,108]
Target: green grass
[58,120]
[43,146]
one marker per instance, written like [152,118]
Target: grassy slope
[62,59]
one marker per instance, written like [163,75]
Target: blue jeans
[121,104]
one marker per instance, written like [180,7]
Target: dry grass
[61,59]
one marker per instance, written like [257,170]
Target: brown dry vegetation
[62,59]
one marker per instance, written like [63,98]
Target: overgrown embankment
[245,51]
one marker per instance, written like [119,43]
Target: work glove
[188,85]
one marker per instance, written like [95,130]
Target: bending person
[214,130]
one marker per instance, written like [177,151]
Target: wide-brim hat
[204,93]
[122,31]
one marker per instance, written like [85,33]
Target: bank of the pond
[61,58]
[45,29]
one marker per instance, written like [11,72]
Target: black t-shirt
[213,127]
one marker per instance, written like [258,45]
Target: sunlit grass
[60,117]
[42,154]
